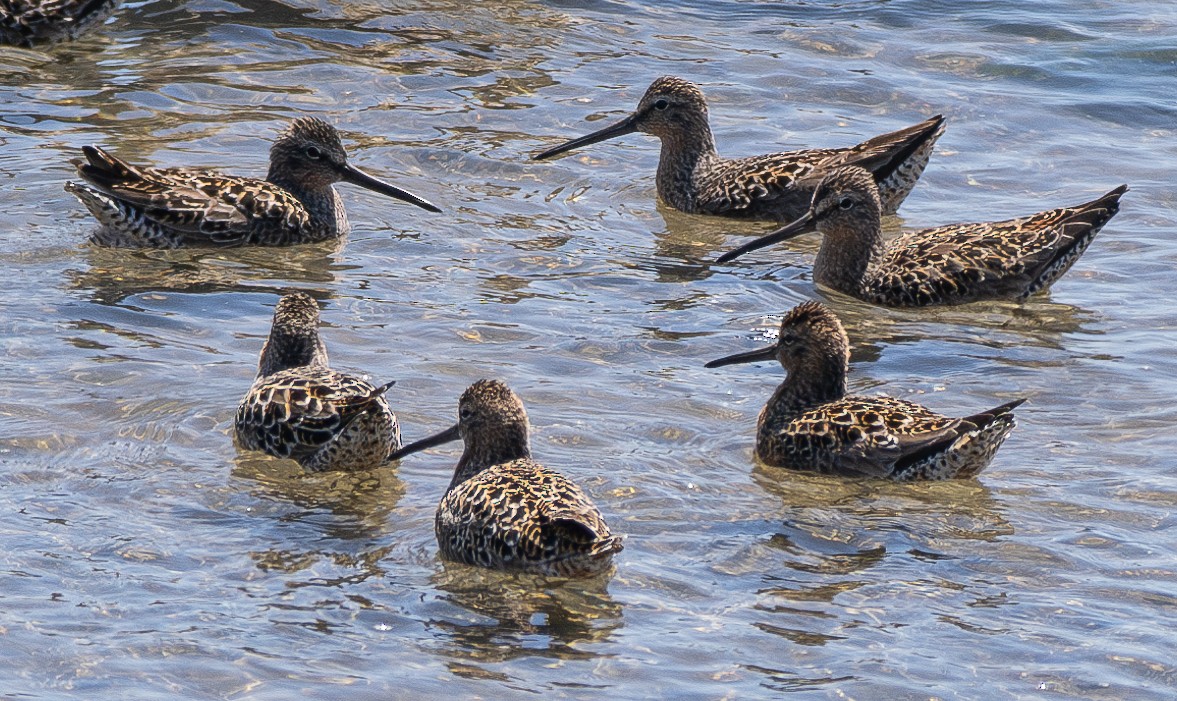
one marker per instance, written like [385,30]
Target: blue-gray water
[145,558]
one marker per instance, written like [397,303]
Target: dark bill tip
[355,176]
[803,225]
[446,436]
[625,126]
[756,356]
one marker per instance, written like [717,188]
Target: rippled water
[145,557]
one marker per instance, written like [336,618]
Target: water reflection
[506,616]
[918,516]
[340,505]
[112,275]
[1039,322]
[780,680]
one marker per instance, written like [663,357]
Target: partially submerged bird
[504,510]
[29,22]
[951,264]
[178,207]
[299,408]
[694,178]
[811,423]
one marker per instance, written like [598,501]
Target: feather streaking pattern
[951,264]
[29,22]
[298,408]
[504,510]
[811,423]
[692,177]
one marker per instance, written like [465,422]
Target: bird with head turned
[504,510]
[299,408]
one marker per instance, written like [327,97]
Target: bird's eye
[788,339]
[661,103]
[846,203]
[465,413]
[314,153]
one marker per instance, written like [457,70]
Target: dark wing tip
[574,529]
[1009,406]
[1109,202]
[986,418]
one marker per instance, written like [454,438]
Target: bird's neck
[683,155]
[848,255]
[503,445]
[283,351]
[321,202]
[818,381]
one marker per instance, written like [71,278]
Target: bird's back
[322,418]
[780,186]
[887,438]
[1014,258]
[173,207]
[32,21]
[521,515]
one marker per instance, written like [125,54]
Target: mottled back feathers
[811,423]
[693,177]
[298,408]
[28,22]
[504,510]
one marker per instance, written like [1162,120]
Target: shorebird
[299,408]
[811,423]
[28,22]
[694,178]
[504,510]
[178,207]
[951,264]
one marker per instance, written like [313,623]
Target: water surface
[144,557]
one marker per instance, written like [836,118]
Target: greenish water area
[145,557]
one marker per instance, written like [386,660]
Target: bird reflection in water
[501,616]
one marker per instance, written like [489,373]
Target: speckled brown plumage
[29,22]
[178,207]
[504,510]
[951,264]
[810,423]
[693,177]
[298,408]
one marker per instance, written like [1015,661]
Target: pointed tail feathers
[103,170]
[885,154]
[985,418]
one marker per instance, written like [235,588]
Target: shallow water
[145,557]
